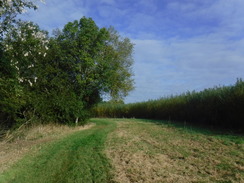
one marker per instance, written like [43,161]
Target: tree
[119,59]
[25,45]
[59,79]
[23,48]
[93,61]
[9,9]
[11,91]
[101,57]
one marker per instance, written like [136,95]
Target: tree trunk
[76,121]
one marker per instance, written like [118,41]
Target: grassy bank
[221,107]
[77,157]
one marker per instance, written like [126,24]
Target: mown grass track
[160,152]
[134,150]
[76,158]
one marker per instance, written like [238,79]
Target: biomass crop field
[126,150]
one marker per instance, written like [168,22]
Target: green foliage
[59,79]
[99,60]
[23,48]
[9,10]
[78,70]
[119,61]
[221,107]
[79,46]
[11,100]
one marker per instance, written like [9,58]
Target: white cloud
[214,56]
[223,16]
[175,66]
[109,2]
[110,12]
[55,13]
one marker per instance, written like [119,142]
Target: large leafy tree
[61,78]
[92,61]
[102,59]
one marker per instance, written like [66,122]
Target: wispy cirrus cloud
[55,13]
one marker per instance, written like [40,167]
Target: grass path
[76,158]
[131,150]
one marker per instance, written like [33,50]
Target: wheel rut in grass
[78,157]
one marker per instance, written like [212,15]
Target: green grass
[134,150]
[76,158]
[154,151]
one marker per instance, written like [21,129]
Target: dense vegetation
[221,107]
[58,78]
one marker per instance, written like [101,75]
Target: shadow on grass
[235,136]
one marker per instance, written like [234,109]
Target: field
[218,107]
[123,150]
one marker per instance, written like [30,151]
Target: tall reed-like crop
[221,107]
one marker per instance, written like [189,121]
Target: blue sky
[180,45]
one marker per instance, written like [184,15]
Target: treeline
[58,78]
[221,107]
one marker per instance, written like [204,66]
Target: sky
[179,45]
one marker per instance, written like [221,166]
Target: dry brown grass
[16,144]
[146,152]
